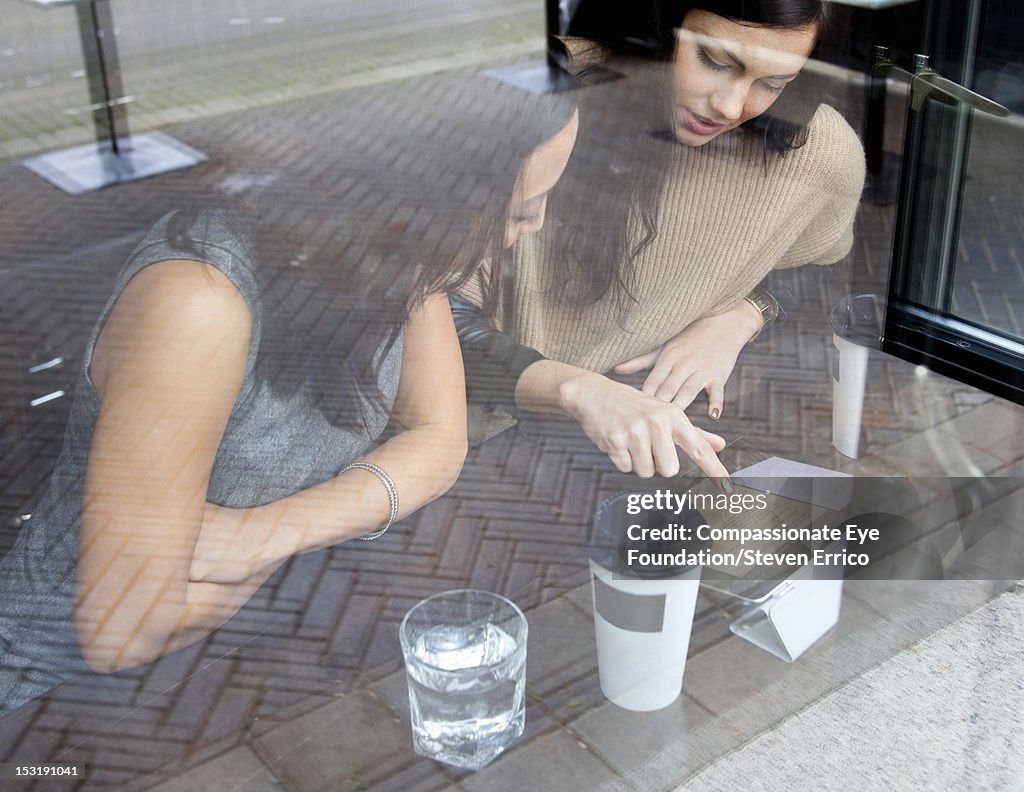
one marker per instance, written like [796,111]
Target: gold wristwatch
[766,305]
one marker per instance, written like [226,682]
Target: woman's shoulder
[214,241]
[191,301]
[214,236]
[830,162]
[828,127]
[185,288]
[191,285]
[834,151]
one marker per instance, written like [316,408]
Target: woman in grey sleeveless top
[231,382]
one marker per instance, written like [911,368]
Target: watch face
[759,307]
[766,304]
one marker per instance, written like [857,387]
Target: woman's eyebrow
[732,56]
[739,62]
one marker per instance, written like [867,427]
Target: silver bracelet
[389,485]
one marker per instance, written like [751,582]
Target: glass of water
[465,662]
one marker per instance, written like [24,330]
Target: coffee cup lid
[856,318]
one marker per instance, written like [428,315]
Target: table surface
[285,706]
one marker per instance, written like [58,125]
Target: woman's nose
[518,228]
[535,223]
[511,234]
[728,102]
[514,230]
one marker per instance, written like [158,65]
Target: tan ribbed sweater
[724,222]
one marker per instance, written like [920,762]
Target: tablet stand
[792,617]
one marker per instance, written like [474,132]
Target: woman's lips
[699,125]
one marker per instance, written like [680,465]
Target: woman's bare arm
[168,369]
[423,461]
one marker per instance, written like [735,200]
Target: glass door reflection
[957,286]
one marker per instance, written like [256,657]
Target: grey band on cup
[643,613]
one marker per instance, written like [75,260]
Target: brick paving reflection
[513,524]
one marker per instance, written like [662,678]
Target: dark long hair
[399,206]
[604,212]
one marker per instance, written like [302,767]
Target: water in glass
[466,692]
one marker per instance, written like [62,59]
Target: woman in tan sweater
[662,272]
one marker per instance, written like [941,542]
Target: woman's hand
[228,551]
[638,432]
[217,557]
[700,357]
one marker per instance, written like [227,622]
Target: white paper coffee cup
[642,628]
[849,378]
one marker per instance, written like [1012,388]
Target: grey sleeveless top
[272,447]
